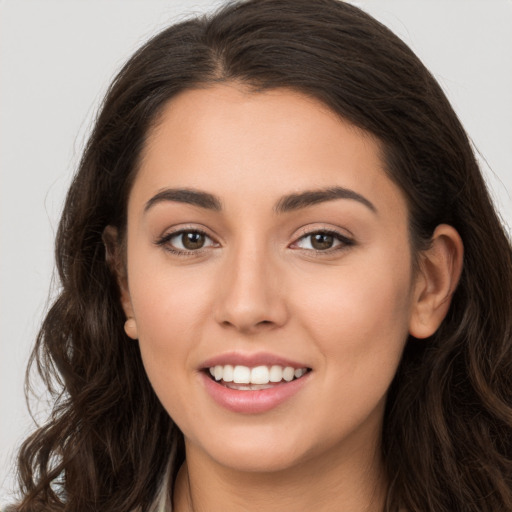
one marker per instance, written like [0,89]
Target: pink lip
[251,360]
[254,401]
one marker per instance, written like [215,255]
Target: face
[267,246]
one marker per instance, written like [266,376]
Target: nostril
[248,327]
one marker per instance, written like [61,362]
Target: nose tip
[250,298]
[247,320]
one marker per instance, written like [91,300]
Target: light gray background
[56,60]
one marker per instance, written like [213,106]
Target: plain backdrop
[56,60]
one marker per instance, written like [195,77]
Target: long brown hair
[447,438]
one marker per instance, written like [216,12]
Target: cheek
[359,315]
[359,324]
[171,308]
[168,302]
[167,321]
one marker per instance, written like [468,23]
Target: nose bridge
[249,295]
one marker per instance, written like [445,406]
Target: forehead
[231,141]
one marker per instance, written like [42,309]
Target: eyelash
[344,241]
[164,241]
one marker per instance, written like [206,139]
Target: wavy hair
[447,436]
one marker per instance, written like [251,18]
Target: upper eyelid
[176,230]
[345,240]
[303,232]
[168,235]
[307,231]
[338,236]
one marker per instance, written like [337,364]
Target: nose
[251,295]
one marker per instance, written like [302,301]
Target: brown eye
[192,240]
[183,242]
[322,241]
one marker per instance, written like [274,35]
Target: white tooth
[299,372]
[228,373]
[218,372]
[212,371]
[275,374]
[259,375]
[288,373]
[241,375]
[248,387]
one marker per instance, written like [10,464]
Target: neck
[351,483]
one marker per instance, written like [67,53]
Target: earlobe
[117,266]
[440,267]
[130,328]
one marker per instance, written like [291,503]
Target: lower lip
[253,401]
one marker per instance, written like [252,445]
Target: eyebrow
[187,196]
[286,204]
[311,197]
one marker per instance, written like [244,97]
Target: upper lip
[251,360]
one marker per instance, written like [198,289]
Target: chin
[256,454]
[258,461]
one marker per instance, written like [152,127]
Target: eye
[185,241]
[323,241]
[188,240]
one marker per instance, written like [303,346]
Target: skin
[258,285]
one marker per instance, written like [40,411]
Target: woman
[283,283]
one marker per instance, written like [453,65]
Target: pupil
[322,241]
[193,240]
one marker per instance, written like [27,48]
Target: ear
[440,267]
[117,265]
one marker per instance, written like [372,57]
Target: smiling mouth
[245,378]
